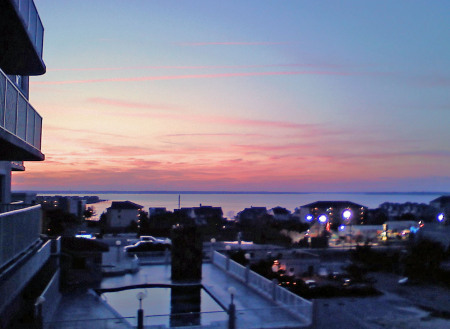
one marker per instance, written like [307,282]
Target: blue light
[323,219]
[413,229]
[440,217]
[309,218]
[342,227]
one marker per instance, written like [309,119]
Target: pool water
[171,307]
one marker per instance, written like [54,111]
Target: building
[280,214]
[407,210]
[27,269]
[202,215]
[74,205]
[122,213]
[333,212]
[252,215]
[156,211]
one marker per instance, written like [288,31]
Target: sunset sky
[243,95]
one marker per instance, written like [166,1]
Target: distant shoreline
[228,192]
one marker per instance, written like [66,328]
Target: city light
[323,219]
[440,217]
[309,218]
[347,214]
[342,228]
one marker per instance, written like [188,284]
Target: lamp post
[232,309]
[140,314]
[227,264]
[118,244]
[247,267]
[213,241]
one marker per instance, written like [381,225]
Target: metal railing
[11,286]
[19,230]
[33,24]
[291,302]
[17,115]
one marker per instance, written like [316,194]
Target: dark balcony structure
[28,264]
[20,125]
[21,39]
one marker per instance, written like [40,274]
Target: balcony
[20,227]
[21,38]
[20,125]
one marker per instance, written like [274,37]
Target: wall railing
[17,115]
[293,303]
[12,285]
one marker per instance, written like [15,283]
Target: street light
[309,218]
[140,296]
[323,219]
[232,309]
[346,214]
[441,217]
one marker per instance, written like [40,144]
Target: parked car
[311,284]
[144,246]
[165,241]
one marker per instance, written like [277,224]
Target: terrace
[20,125]
[258,302]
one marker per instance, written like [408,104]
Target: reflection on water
[185,306]
[171,307]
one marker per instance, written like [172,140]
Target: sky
[251,95]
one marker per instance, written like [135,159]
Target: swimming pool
[168,306]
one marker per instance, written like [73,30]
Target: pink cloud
[192,76]
[203,118]
[128,104]
[233,43]
[189,67]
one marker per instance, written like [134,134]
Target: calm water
[233,203]
[157,306]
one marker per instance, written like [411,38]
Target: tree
[424,259]
[89,212]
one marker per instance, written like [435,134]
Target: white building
[122,213]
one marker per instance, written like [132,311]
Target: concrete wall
[5,182]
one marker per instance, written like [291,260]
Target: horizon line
[220,192]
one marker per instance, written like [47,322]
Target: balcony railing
[17,115]
[33,23]
[19,230]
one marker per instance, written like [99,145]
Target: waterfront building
[28,272]
[74,205]
[280,214]
[122,213]
[202,215]
[333,212]
[399,211]
[155,211]
[252,215]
